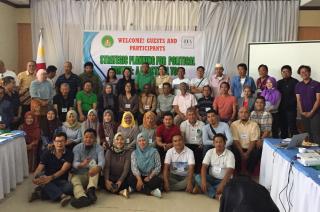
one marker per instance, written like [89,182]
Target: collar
[244,123]
[28,73]
[223,153]
[216,77]
[195,124]
[307,82]
[183,151]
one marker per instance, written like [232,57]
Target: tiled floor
[17,201]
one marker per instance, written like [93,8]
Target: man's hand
[85,162]
[43,180]
[147,179]
[259,144]
[2,126]
[189,188]
[119,183]
[204,186]
[219,189]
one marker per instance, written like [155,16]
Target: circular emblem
[107,41]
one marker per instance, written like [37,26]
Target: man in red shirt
[164,134]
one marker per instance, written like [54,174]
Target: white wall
[9,17]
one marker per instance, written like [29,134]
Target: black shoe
[91,193]
[81,202]
[35,195]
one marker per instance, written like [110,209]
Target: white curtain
[228,26]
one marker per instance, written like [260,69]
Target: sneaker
[124,193]
[156,193]
[81,202]
[91,193]
[65,200]
[35,195]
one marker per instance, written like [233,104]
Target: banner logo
[107,41]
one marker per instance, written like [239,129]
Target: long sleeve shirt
[126,104]
[95,153]
[154,171]
[41,90]
[237,86]
[73,135]
[117,166]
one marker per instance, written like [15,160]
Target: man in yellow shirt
[245,134]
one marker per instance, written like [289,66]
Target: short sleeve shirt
[166,134]
[143,79]
[87,100]
[224,106]
[308,92]
[52,164]
[219,163]
[184,102]
[192,133]
[245,132]
[179,162]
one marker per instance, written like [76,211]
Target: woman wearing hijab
[273,98]
[117,167]
[32,130]
[50,126]
[41,92]
[107,100]
[129,130]
[107,129]
[72,128]
[146,167]
[91,122]
[149,127]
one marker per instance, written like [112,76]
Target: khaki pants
[79,181]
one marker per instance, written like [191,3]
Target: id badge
[64,110]
[0,118]
[128,141]
[217,169]
[147,107]
[150,141]
[107,139]
[244,136]
[160,86]
[128,106]
[207,109]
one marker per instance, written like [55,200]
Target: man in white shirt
[5,73]
[177,81]
[198,83]
[178,167]
[181,103]
[221,163]
[191,130]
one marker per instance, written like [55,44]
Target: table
[292,186]
[13,162]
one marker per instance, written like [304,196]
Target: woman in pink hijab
[41,93]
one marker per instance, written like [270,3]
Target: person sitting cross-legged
[178,167]
[88,163]
[146,167]
[221,162]
[51,175]
[117,167]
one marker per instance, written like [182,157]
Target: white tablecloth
[13,164]
[302,193]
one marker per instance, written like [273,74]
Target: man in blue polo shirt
[237,82]
[51,175]
[308,102]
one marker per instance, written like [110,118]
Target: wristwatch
[53,177]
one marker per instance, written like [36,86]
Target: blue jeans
[212,184]
[56,188]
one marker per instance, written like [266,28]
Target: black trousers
[197,152]
[155,182]
[312,126]
[288,123]
[125,184]
[275,125]
[252,161]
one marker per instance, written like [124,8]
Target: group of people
[151,133]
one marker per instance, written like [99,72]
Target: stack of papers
[311,158]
